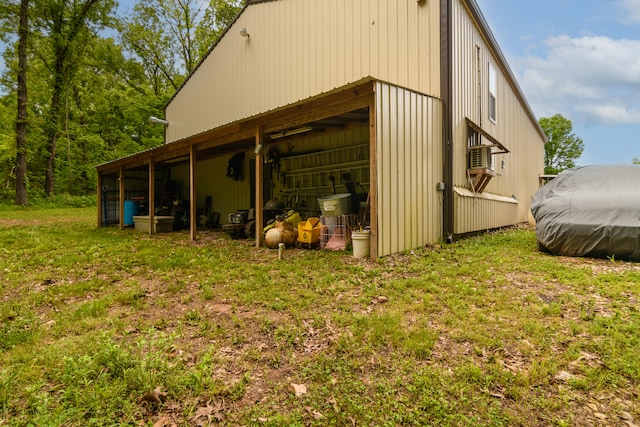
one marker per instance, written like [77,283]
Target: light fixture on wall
[291,132]
[158,121]
[258,149]
[244,33]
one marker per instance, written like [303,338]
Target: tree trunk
[21,121]
[52,142]
[64,34]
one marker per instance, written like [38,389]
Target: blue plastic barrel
[131,209]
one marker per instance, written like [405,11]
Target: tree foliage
[93,80]
[563,148]
[170,37]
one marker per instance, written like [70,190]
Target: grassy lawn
[106,327]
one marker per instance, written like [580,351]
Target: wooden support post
[100,201]
[373,182]
[152,202]
[259,196]
[121,198]
[192,192]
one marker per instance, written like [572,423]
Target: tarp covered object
[590,211]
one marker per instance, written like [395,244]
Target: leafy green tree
[563,147]
[65,27]
[108,109]
[90,96]
[636,161]
[170,37]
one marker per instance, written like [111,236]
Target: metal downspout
[446,92]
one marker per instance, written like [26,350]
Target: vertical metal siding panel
[305,67]
[365,36]
[375,46]
[424,49]
[398,158]
[385,230]
[438,165]
[354,22]
[388,171]
[296,29]
[411,20]
[422,45]
[434,48]
[393,37]
[343,42]
[401,169]
[377,92]
[434,172]
[332,44]
[423,140]
[432,143]
[382,22]
[408,172]
[310,53]
[406,42]
[322,61]
[325,57]
[409,137]
[418,195]
[280,88]
[416,175]
[392,171]
[209,173]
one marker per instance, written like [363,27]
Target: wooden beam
[100,201]
[318,108]
[192,192]
[260,149]
[481,178]
[152,189]
[121,198]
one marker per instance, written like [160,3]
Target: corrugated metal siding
[409,165]
[488,211]
[298,49]
[227,198]
[304,172]
[513,128]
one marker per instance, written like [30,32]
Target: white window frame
[493,94]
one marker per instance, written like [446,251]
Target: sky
[581,59]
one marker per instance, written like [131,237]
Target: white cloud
[592,79]
[630,10]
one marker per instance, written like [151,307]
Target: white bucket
[360,241]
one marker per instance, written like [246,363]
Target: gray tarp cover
[590,211]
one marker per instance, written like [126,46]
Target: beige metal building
[411,101]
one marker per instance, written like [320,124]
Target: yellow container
[309,230]
[293,217]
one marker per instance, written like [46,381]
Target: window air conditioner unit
[480,158]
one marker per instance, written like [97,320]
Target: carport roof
[340,109]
